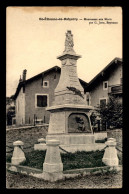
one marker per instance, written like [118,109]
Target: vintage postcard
[64,72]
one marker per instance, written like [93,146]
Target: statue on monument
[69,41]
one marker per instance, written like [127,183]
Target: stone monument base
[74,148]
[68,139]
[73,142]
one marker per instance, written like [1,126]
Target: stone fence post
[52,166]
[110,157]
[41,140]
[40,145]
[18,154]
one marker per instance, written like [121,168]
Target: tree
[112,112]
[93,118]
[10,113]
[10,109]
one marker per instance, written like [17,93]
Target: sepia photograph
[64,80]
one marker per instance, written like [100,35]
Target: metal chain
[9,151]
[63,150]
[119,150]
[28,147]
[119,144]
[9,146]
[104,148]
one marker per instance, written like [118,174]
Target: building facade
[35,94]
[107,82]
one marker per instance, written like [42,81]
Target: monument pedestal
[72,139]
[69,115]
[74,142]
[69,118]
[66,127]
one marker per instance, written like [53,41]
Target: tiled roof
[23,83]
[110,65]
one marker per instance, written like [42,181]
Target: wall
[35,87]
[20,108]
[98,93]
[115,75]
[113,78]
[27,100]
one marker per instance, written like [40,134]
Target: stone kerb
[110,157]
[18,154]
[52,166]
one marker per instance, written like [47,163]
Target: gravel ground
[90,181]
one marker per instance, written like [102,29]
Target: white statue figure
[69,41]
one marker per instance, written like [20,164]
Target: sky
[34,44]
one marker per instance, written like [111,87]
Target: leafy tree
[10,113]
[112,112]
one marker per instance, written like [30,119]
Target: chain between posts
[64,150]
[28,147]
[9,146]
[59,148]
[31,147]
[19,147]
[104,148]
[119,150]
[107,146]
[9,151]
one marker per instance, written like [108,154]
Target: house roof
[105,70]
[56,68]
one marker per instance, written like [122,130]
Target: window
[45,84]
[41,100]
[103,101]
[105,85]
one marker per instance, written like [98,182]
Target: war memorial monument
[69,114]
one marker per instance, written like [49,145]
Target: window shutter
[44,101]
[41,100]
